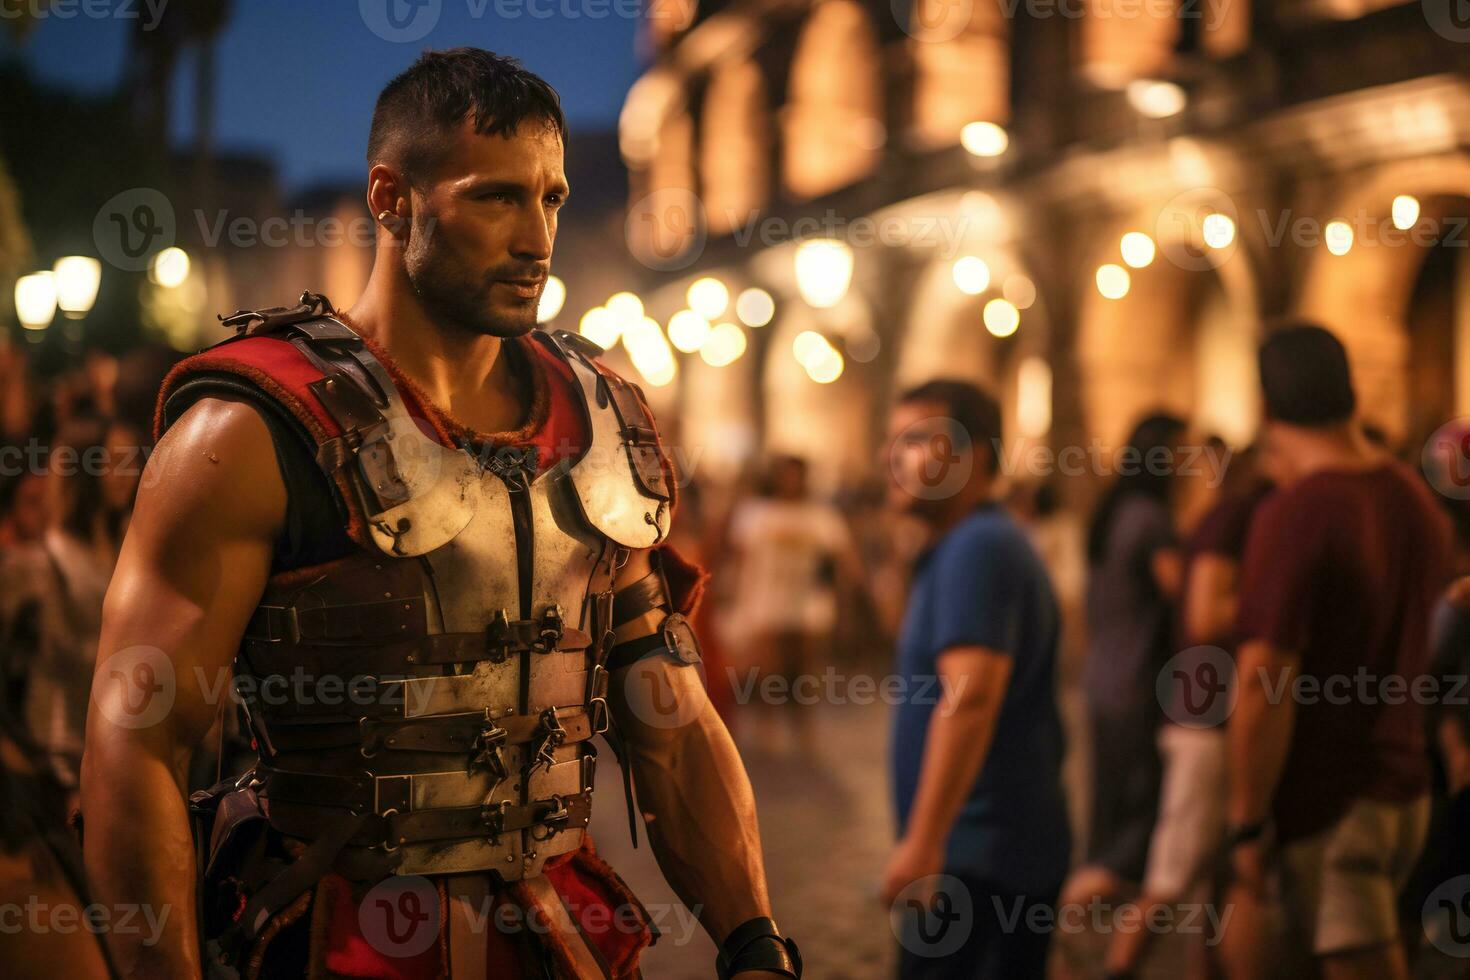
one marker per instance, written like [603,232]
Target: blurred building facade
[1262,160]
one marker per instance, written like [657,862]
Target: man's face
[484,222]
[929,460]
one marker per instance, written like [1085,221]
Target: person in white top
[793,553]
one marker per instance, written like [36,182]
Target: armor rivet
[510,858]
[387,595]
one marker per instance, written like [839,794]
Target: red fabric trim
[611,917]
[283,372]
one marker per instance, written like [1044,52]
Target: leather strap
[632,601]
[586,959]
[284,888]
[756,944]
[442,733]
[469,921]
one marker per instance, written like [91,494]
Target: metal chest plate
[488,550]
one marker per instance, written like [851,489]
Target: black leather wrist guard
[757,945]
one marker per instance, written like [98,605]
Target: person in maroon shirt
[1327,747]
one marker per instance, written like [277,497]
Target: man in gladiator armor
[429,541]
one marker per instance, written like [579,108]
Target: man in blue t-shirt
[977,743]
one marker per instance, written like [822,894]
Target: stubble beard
[458,299]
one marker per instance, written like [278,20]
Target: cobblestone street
[825,825]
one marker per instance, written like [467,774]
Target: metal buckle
[497,638]
[551,630]
[487,749]
[545,828]
[493,816]
[367,730]
[388,845]
[554,735]
[597,709]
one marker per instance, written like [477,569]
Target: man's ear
[387,196]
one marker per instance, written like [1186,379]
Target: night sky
[297,78]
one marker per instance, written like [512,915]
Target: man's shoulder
[990,534]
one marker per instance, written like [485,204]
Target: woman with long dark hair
[1133,574]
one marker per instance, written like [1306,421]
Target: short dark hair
[1305,378]
[977,412]
[419,108]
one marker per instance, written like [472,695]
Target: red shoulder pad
[271,364]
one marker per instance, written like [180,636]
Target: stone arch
[1182,339]
[1120,40]
[832,127]
[1365,296]
[945,335]
[734,146]
[962,66]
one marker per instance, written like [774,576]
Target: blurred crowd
[1170,577]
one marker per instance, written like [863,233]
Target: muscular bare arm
[192,569]
[692,787]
